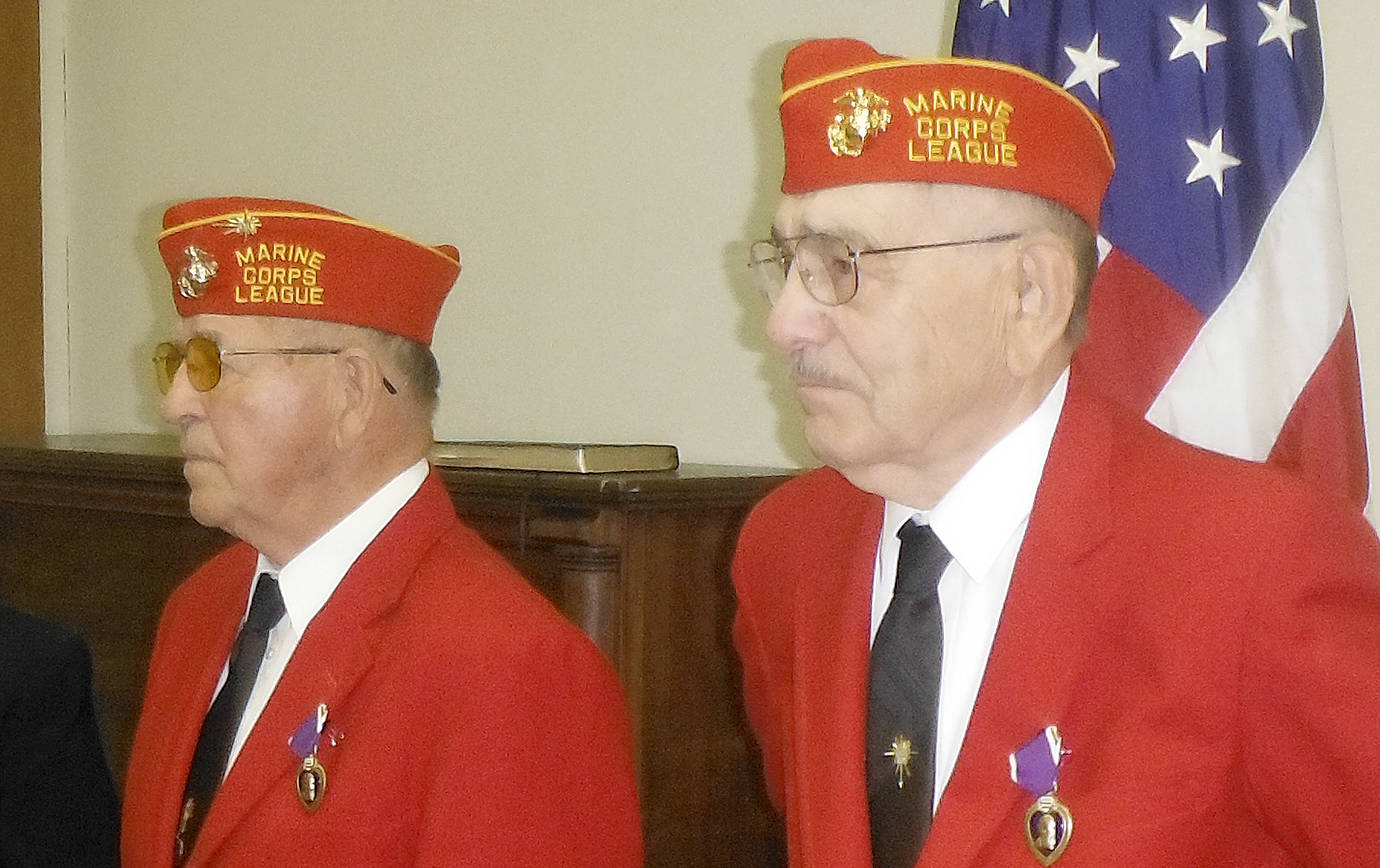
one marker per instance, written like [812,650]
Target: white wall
[600,167]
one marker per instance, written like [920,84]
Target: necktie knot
[922,560]
[266,608]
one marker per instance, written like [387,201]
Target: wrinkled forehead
[871,212]
[241,330]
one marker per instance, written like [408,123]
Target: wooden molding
[21,239]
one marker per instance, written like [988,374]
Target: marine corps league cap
[852,116]
[273,257]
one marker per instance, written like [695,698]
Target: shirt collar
[976,517]
[308,580]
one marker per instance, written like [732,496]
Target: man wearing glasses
[360,680]
[1010,623]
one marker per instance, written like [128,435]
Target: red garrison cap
[852,116]
[274,257]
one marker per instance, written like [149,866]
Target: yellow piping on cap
[954,61]
[303,215]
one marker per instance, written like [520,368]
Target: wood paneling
[21,233]
[95,532]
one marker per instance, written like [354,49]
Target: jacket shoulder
[27,637]
[804,501]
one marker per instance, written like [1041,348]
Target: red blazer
[1205,634]
[477,726]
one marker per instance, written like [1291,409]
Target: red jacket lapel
[181,691]
[1031,675]
[833,618]
[331,658]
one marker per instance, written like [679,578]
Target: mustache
[806,371]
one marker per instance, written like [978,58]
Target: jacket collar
[1031,675]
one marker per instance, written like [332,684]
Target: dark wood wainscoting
[94,532]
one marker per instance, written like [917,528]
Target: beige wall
[600,167]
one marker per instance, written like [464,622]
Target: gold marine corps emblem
[197,273]
[862,115]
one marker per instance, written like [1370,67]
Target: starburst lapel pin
[900,755]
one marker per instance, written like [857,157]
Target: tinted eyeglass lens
[202,357]
[203,363]
[167,358]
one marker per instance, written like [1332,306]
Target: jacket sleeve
[1311,690]
[760,690]
[540,771]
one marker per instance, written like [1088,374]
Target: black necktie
[222,721]
[903,703]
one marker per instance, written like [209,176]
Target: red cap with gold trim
[274,257]
[852,116]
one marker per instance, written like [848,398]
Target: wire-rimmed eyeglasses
[827,265]
[202,356]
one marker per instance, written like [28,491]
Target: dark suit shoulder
[28,638]
[57,800]
[44,668]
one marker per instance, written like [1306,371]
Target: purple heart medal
[1048,822]
[311,774]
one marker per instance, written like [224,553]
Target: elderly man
[1010,624]
[361,680]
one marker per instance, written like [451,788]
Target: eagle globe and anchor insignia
[862,114]
[197,273]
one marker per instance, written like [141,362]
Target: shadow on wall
[768,162]
[163,327]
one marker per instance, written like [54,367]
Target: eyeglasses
[203,358]
[827,265]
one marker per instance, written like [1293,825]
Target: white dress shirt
[981,521]
[307,582]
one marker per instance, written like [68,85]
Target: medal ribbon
[1035,766]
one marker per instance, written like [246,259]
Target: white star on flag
[1004,4]
[1212,160]
[1280,25]
[1195,38]
[1088,66]
[1224,321]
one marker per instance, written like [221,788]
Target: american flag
[1221,307]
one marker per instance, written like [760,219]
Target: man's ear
[360,387]
[1046,284]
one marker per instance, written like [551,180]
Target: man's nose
[797,320]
